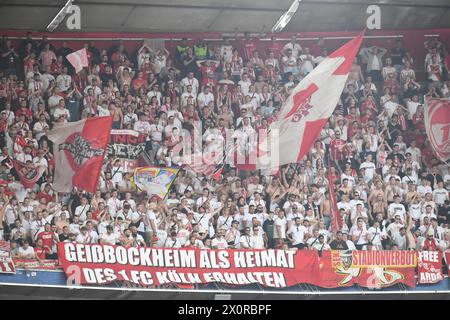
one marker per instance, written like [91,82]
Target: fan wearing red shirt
[430,242]
[337,147]
[24,111]
[97,215]
[276,48]
[248,46]
[47,237]
[41,250]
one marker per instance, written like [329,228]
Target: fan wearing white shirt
[369,167]
[82,209]
[257,238]
[189,80]
[63,81]
[375,235]
[245,239]
[440,194]
[397,208]
[219,241]
[109,237]
[296,234]
[205,97]
[172,241]
[61,114]
[245,84]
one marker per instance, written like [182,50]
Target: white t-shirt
[395,209]
[257,241]
[297,233]
[61,112]
[81,211]
[28,252]
[245,242]
[370,169]
[440,195]
[219,243]
[360,235]
[63,82]
[412,108]
[109,238]
[282,223]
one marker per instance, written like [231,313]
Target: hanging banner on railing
[102,264]
[370,269]
[43,264]
[6,262]
[429,267]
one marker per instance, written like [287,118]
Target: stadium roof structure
[225,15]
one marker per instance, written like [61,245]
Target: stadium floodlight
[286,17]
[60,16]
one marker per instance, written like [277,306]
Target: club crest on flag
[78,150]
[437,124]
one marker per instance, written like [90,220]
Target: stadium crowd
[392,192]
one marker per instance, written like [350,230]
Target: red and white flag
[79,149]
[437,125]
[6,261]
[429,267]
[308,108]
[28,173]
[204,163]
[78,59]
[336,218]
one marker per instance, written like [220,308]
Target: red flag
[437,125]
[79,149]
[336,218]
[28,174]
[217,174]
[78,59]
[429,267]
[308,108]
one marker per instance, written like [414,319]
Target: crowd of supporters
[392,192]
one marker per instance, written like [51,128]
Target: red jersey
[3,125]
[56,68]
[430,245]
[277,49]
[40,252]
[248,47]
[47,239]
[27,112]
[337,148]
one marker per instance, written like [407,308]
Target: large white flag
[307,109]
[79,148]
[78,59]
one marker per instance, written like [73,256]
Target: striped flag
[6,262]
[308,108]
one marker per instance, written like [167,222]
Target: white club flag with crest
[79,149]
[437,125]
[307,109]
